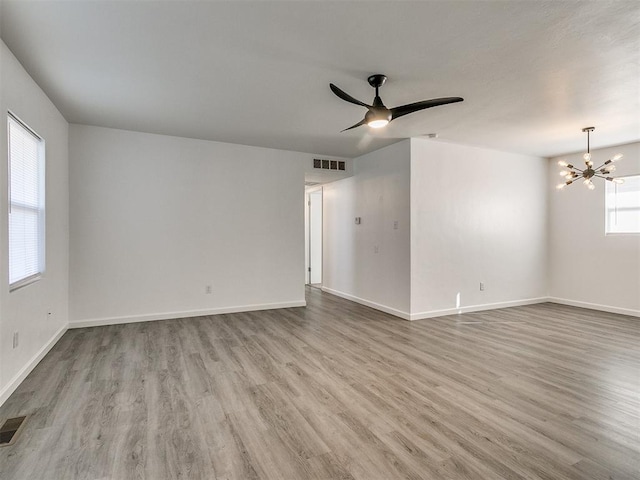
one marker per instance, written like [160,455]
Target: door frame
[308,227]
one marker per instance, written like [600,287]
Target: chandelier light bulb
[618,180]
[565,173]
[587,157]
[586,181]
[617,157]
[560,186]
[591,186]
[562,163]
[611,168]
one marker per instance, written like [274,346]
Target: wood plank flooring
[336,391]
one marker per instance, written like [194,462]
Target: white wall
[465,215]
[26,310]
[155,219]
[587,267]
[370,262]
[477,215]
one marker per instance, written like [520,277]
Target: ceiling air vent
[329,164]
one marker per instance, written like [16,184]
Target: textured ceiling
[532,73]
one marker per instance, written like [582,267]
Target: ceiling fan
[378,115]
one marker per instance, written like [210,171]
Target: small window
[622,203]
[26,204]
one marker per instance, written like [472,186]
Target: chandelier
[574,174]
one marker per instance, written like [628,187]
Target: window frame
[606,207]
[40,210]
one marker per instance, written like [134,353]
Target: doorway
[313,236]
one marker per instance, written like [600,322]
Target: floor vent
[10,430]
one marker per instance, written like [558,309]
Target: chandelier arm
[605,163]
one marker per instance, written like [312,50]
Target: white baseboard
[96,322]
[435,313]
[478,308]
[368,303]
[15,382]
[595,306]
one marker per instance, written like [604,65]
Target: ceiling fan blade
[346,97]
[361,122]
[414,107]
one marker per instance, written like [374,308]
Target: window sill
[24,282]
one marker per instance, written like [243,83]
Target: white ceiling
[532,73]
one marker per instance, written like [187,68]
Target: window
[622,203]
[26,204]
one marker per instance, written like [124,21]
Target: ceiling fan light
[378,123]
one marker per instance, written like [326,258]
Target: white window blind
[26,204]
[623,206]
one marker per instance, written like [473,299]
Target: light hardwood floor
[336,390]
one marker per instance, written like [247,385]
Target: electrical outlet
[482,286]
[16,339]
[208,290]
